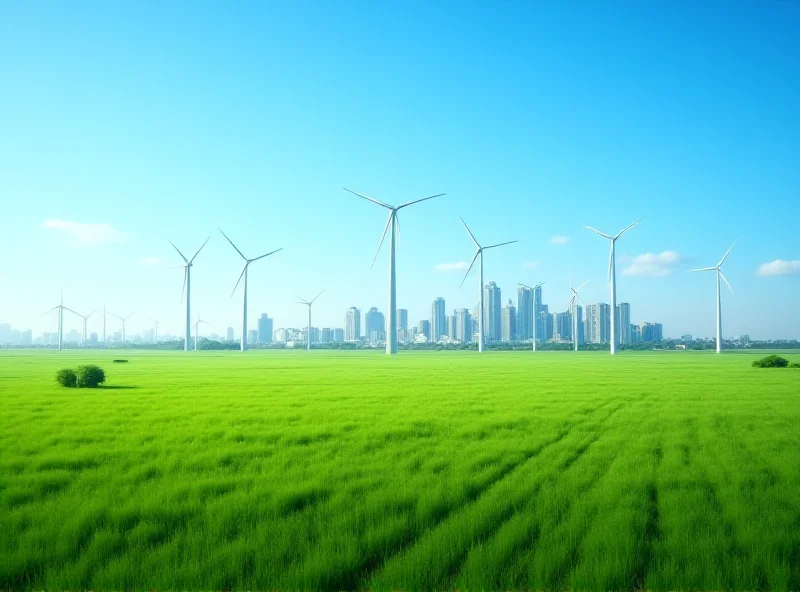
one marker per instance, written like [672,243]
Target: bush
[67,377]
[90,376]
[794,365]
[771,362]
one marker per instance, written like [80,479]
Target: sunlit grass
[422,471]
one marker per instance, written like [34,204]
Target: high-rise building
[338,335]
[93,338]
[352,325]
[636,334]
[402,319]
[26,337]
[229,334]
[425,329]
[326,335]
[464,332]
[374,322]
[5,333]
[452,326]
[252,336]
[438,321]
[658,332]
[598,323]
[525,313]
[562,326]
[538,309]
[581,324]
[492,314]
[265,329]
[508,322]
[623,323]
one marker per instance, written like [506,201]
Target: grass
[424,471]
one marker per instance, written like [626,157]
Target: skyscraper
[508,322]
[374,325]
[463,326]
[492,313]
[229,334]
[452,326]
[438,321]
[598,323]
[252,336]
[581,324]
[525,311]
[623,322]
[402,319]
[326,335]
[338,335]
[425,329]
[562,326]
[352,324]
[265,329]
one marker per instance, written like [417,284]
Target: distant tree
[90,376]
[771,362]
[67,377]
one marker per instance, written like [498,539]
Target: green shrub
[794,365]
[771,362]
[90,376]
[67,377]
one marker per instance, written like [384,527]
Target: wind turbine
[196,329]
[307,303]
[155,331]
[60,308]
[247,262]
[573,308]
[612,278]
[480,251]
[187,289]
[105,341]
[85,320]
[718,269]
[391,337]
[123,324]
[535,321]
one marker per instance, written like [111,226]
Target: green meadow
[428,470]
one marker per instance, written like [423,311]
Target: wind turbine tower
[393,221]
[196,329]
[718,269]
[533,316]
[187,289]
[481,338]
[307,303]
[572,307]
[247,263]
[85,321]
[123,319]
[612,278]
[60,307]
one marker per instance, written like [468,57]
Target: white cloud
[779,267]
[559,240]
[451,266]
[150,260]
[653,264]
[79,233]
[530,265]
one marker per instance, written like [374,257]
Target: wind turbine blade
[524,285]
[72,311]
[372,199]
[627,228]
[397,223]
[185,277]
[500,245]
[472,236]
[317,296]
[116,316]
[231,242]
[266,255]
[704,269]
[301,300]
[411,203]
[179,252]
[51,310]
[91,313]
[569,304]
[237,281]
[726,253]
[129,316]
[722,275]
[540,284]
[470,267]
[201,248]
[598,232]
[383,236]
[579,299]
[610,261]
[581,286]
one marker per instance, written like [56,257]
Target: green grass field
[422,471]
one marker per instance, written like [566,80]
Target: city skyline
[108,153]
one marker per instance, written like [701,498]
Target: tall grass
[426,470]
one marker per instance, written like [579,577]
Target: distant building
[374,322]
[598,323]
[525,313]
[623,323]
[265,329]
[636,334]
[402,320]
[452,326]
[464,332]
[492,312]
[562,326]
[229,334]
[508,322]
[326,335]
[252,336]
[26,337]
[425,329]
[338,335]
[687,337]
[438,321]
[93,338]
[352,326]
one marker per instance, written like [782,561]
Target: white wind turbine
[391,322]
[155,330]
[85,321]
[533,316]
[718,269]
[247,262]
[307,303]
[196,329]
[572,307]
[60,307]
[187,289]
[480,251]
[123,319]
[612,278]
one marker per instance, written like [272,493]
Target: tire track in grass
[435,557]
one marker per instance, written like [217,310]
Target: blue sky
[128,124]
